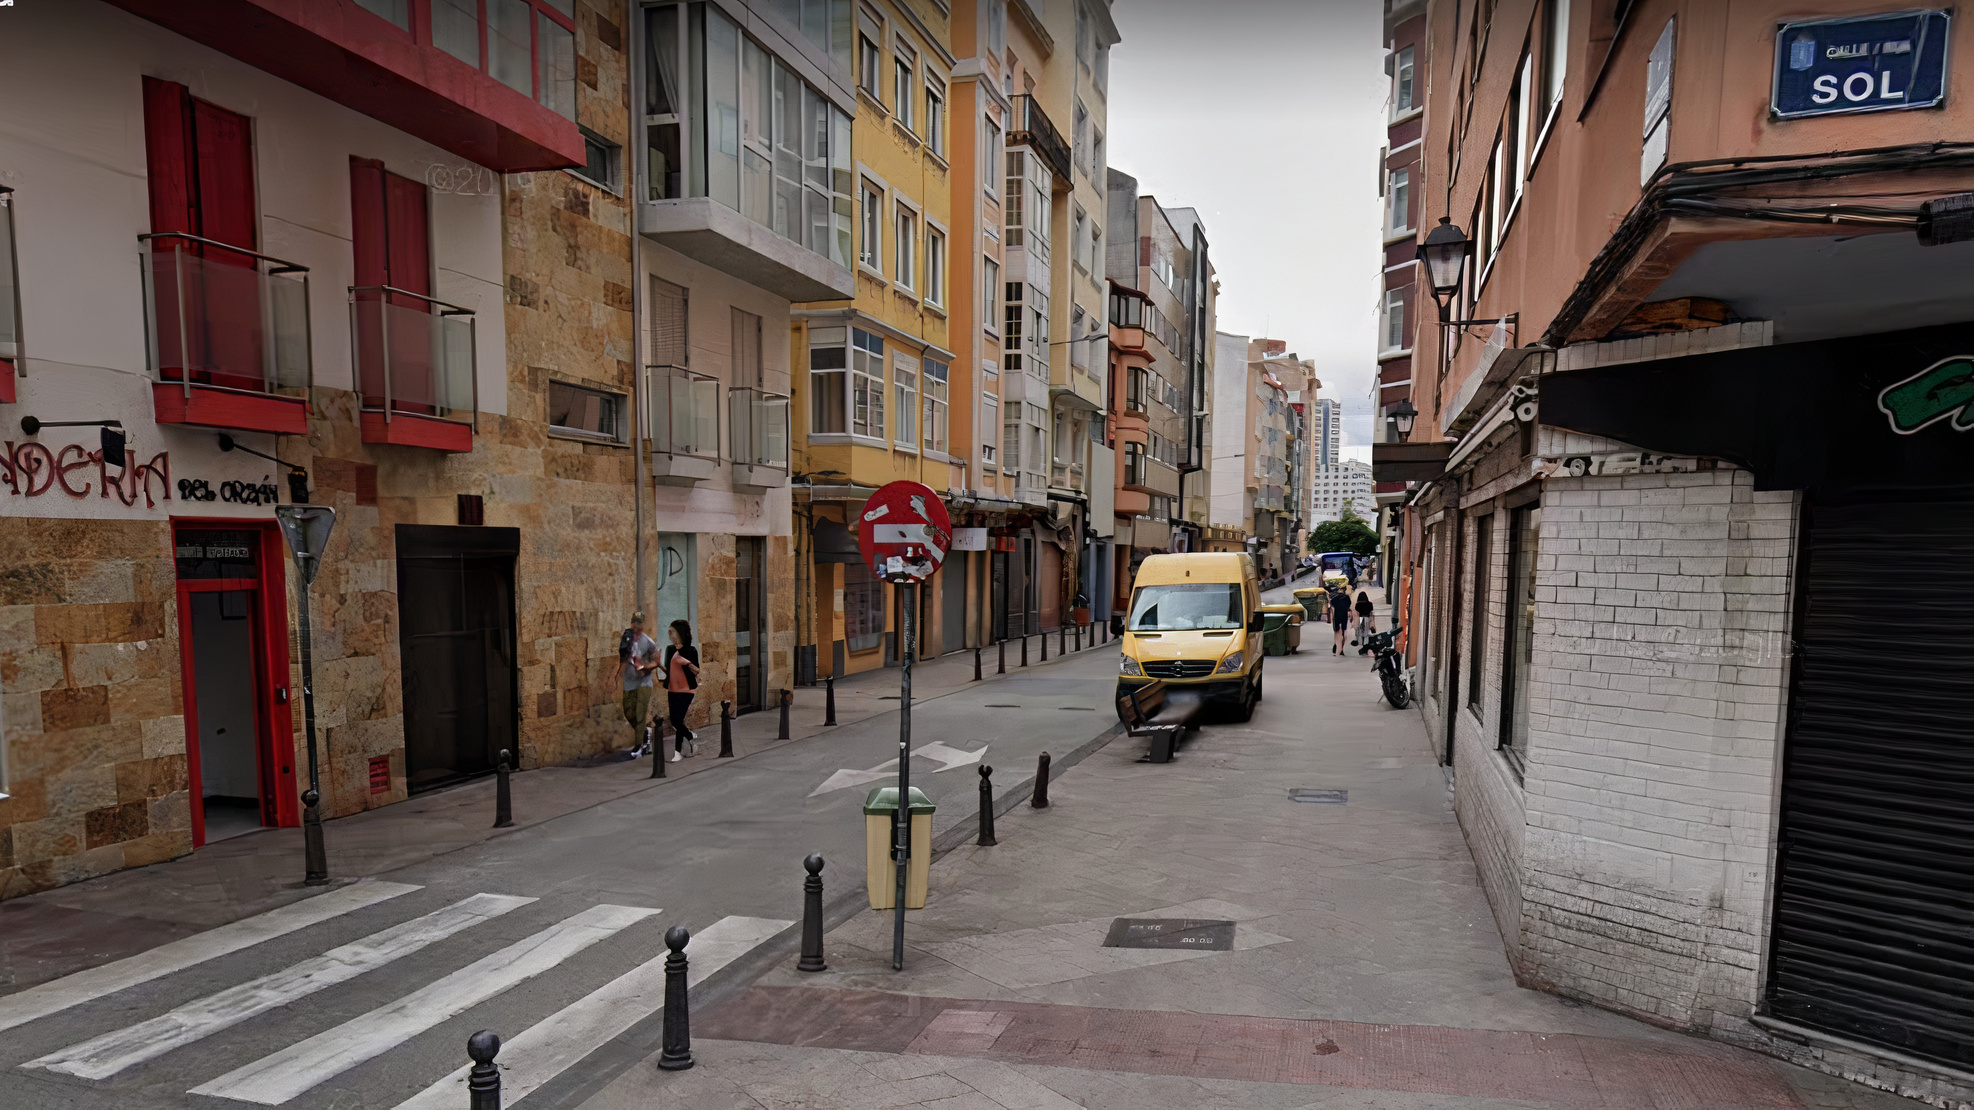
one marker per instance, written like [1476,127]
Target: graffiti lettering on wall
[31,469]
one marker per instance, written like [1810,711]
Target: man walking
[637,662]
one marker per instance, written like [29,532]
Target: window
[1555,51]
[1079,350]
[903,90]
[1097,158]
[866,384]
[1658,104]
[1059,438]
[1079,228]
[10,302]
[870,62]
[1477,619]
[990,293]
[904,385]
[1127,311]
[872,221]
[906,242]
[398,12]
[828,380]
[1080,138]
[1523,140]
[863,608]
[746,368]
[934,381]
[1403,96]
[1525,530]
[990,166]
[1398,214]
[990,417]
[530,45]
[996,12]
[935,267]
[935,116]
[1096,251]
[726,119]
[592,413]
[599,162]
[1138,383]
[1396,338]
[1013,201]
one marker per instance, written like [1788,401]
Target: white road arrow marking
[947,756]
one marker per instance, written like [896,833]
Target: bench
[1152,711]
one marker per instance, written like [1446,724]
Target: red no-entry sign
[904,532]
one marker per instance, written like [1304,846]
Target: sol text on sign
[1877,63]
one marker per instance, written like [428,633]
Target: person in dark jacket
[681,679]
[1367,624]
[1339,619]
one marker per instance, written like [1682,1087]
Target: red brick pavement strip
[1564,1070]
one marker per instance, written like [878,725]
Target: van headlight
[1231,663]
[1128,665]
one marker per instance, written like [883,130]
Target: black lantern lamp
[1445,252]
[1402,415]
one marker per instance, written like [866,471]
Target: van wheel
[1245,710]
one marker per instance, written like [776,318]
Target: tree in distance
[1350,534]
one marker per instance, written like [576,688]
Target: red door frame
[274,719]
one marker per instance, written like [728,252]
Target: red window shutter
[168,155]
[410,251]
[225,145]
[367,221]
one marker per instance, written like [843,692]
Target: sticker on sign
[903,532]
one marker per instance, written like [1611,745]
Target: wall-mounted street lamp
[1402,416]
[1445,252]
[297,477]
[113,439]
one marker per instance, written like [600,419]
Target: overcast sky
[1267,116]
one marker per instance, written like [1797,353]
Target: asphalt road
[362,1029]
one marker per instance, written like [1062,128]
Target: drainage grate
[1001,705]
[1075,709]
[1170,932]
[1319,795]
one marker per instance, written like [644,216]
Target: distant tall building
[1333,487]
[1326,425]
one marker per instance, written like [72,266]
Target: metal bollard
[483,1081]
[1063,644]
[1041,798]
[812,921]
[726,730]
[1002,666]
[787,701]
[658,748]
[1024,649]
[1044,638]
[829,700]
[976,664]
[1079,637]
[677,1054]
[503,800]
[986,808]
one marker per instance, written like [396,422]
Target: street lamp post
[307,529]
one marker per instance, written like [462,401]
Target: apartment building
[1708,287]
[1347,484]
[362,278]
[878,396]
[1259,485]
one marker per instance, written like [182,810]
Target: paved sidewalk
[1365,969]
[54,933]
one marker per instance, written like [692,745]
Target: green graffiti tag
[1944,389]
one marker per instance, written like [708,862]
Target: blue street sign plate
[1876,63]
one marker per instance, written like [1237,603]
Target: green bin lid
[884,799]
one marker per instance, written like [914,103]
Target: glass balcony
[226,334]
[10,307]
[1029,126]
[1066,476]
[684,421]
[758,424]
[414,368]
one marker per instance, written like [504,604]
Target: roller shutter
[1874,926]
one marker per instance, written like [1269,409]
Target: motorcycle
[1390,668]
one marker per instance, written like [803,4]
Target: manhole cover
[1319,795]
[1170,932]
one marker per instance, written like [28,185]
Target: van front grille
[1180,668]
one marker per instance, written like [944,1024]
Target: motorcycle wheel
[1395,691]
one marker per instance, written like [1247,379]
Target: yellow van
[1193,622]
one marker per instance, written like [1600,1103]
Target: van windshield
[1184,608]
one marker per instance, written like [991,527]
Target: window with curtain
[990,418]
[935,116]
[990,293]
[935,267]
[863,608]
[990,165]
[873,222]
[1478,591]
[904,384]
[904,85]
[866,384]
[1404,95]
[746,333]
[1395,336]
[829,380]
[906,240]
[934,384]
[1398,202]
[1518,654]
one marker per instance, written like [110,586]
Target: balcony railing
[414,358]
[1029,126]
[684,424]
[226,334]
[758,423]
[1066,475]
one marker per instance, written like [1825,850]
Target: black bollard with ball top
[812,916]
[986,808]
[483,1080]
[503,799]
[658,748]
[829,699]
[1041,798]
[677,1052]
[787,702]
[726,730]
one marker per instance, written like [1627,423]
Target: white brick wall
[1655,717]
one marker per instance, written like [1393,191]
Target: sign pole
[901,824]
[315,854]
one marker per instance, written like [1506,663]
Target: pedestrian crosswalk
[533,1054]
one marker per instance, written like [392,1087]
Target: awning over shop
[1893,409]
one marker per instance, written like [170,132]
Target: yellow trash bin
[880,870]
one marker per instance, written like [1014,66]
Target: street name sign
[1874,63]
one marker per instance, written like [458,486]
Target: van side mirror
[1256,623]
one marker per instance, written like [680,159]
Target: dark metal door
[997,602]
[749,670]
[457,638]
[952,588]
[1876,891]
